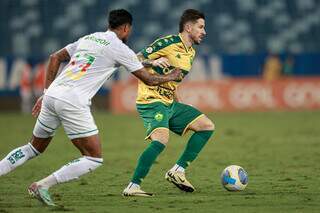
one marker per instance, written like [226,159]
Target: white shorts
[76,121]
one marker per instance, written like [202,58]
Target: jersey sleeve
[72,47]
[126,57]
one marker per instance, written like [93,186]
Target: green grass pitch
[279,150]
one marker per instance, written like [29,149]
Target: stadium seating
[37,27]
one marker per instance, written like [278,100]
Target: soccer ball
[234,178]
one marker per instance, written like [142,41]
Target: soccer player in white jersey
[66,100]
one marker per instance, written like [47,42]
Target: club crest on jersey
[158,116]
[149,50]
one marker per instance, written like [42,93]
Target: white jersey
[94,58]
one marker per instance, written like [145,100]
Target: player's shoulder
[162,43]
[167,40]
[110,36]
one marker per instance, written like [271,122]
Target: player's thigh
[77,121]
[46,125]
[183,116]
[80,128]
[47,121]
[155,118]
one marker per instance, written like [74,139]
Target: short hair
[189,15]
[118,18]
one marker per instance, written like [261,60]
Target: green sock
[146,160]
[194,146]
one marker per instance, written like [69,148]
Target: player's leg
[91,159]
[22,154]
[42,134]
[90,147]
[203,128]
[82,131]
[155,117]
[188,118]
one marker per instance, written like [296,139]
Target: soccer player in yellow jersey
[160,109]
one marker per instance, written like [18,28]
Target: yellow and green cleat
[179,180]
[132,190]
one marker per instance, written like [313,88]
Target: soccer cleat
[135,191]
[179,180]
[41,194]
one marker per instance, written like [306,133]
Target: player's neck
[117,32]
[186,39]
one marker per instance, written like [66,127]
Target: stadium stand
[37,27]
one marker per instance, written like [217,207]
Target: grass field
[279,150]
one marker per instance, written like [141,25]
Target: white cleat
[179,180]
[41,194]
[134,190]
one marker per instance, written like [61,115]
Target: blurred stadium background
[258,54]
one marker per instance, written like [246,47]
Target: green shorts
[175,117]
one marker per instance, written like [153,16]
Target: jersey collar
[113,34]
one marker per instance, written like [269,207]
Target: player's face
[197,31]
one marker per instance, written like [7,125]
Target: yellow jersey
[179,56]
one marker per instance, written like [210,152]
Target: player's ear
[188,27]
[126,28]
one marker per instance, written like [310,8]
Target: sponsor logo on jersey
[149,50]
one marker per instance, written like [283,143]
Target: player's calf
[17,157]
[76,168]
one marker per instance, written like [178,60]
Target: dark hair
[189,15]
[118,18]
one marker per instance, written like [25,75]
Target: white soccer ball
[234,178]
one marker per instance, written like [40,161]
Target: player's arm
[125,56]
[55,60]
[162,62]
[156,79]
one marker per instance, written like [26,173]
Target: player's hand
[37,107]
[176,75]
[161,62]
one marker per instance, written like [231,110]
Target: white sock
[76,168]
[48,182]
[178,168]
[133,185]
[17,157]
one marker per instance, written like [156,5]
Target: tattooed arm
[156,79]
[54,63]
[160,62]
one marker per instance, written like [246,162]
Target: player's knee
[207,125]
[89,146]
[161,135]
